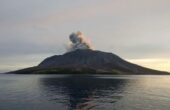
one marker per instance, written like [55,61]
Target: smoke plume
[78,41]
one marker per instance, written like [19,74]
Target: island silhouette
[81,58]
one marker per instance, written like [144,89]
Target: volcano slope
[86,61]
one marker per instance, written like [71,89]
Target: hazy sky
[137,30]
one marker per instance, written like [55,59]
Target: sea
[84,92]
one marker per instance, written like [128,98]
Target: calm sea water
[76,92]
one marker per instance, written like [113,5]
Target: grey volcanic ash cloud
[79,41]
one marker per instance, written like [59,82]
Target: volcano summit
[82,59]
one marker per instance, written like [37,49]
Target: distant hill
[86,61]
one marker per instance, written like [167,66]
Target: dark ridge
[88,61]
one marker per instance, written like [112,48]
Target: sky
[136,30]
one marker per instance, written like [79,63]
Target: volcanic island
[81,58]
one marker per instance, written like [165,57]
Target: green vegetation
[36,70]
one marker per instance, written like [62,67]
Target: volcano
[87,61]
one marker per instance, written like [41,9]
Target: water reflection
[83,92]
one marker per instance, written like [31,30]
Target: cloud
[78,41]
[158,64]
[129,28]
